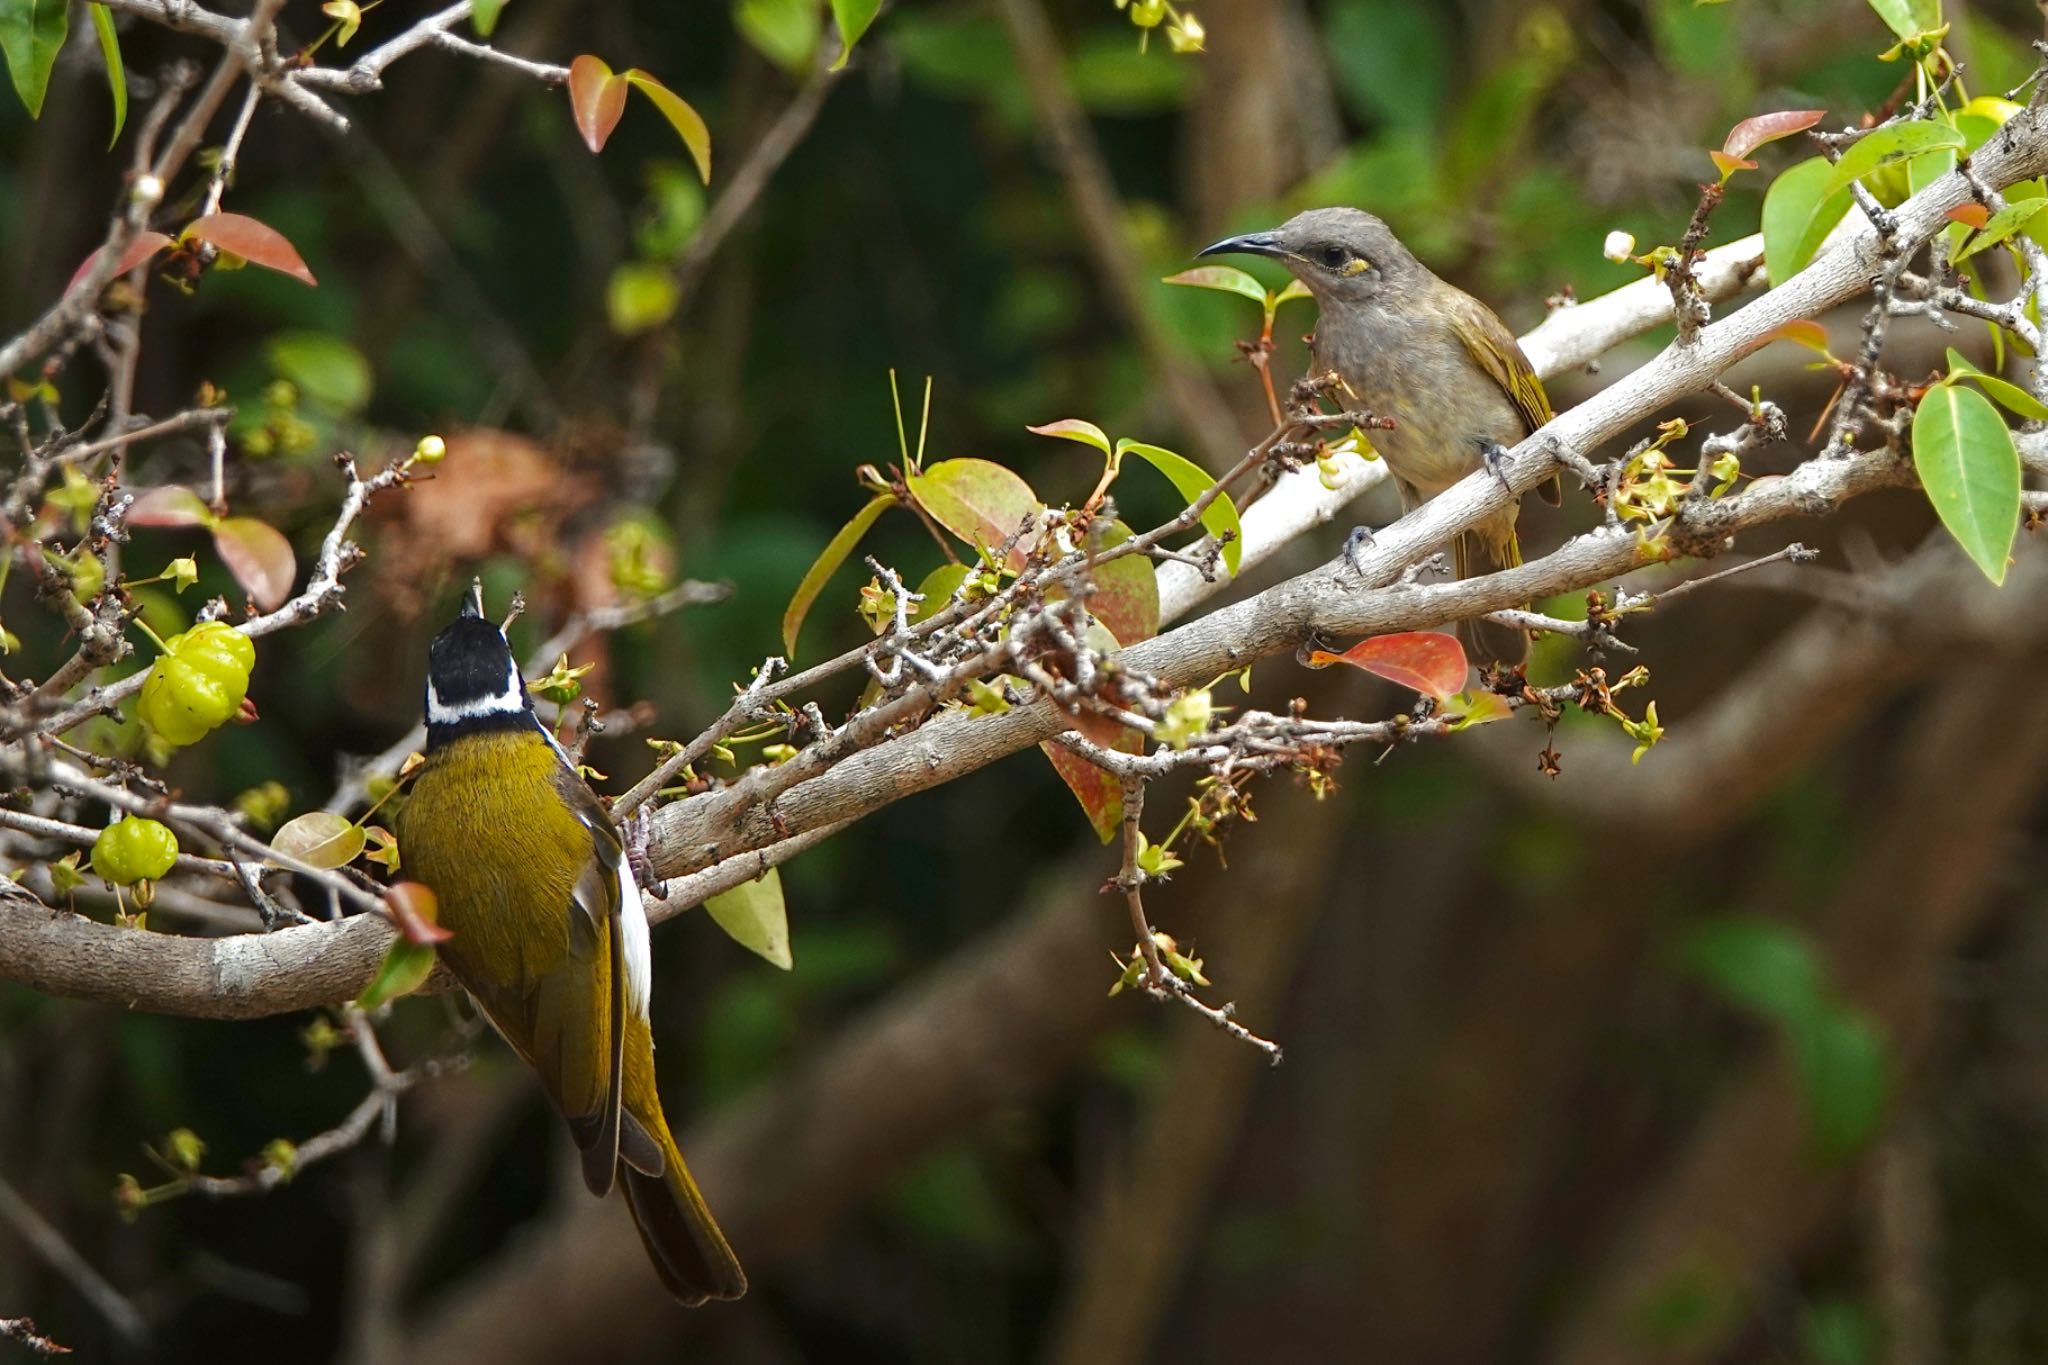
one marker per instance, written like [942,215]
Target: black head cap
[472,681]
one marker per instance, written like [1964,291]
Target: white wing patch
[639,952]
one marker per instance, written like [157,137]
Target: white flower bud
[1619,245]
[147,192]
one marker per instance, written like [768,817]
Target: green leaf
[753,915]
[640,296]
[1888,146]
[783,31]
[31,35]
[1909,18]
[2008,394]
[321,838]
[1799,213]
[1075,429]
[110,53]
[1190,480]
[1963,452]
[326,368]
[977,500]
[1845,1078]
[405,969]
[483,16]
[1761,965]
[825,565]
[937,590]
[1227,279]
[689,125]
[853,18]
[2001,225]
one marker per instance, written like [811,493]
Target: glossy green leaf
[1190,480]
[2007,394]
[325,368]
[1762,965]
[110,54]
[405,969]
[753,915]
[825,565]
[1844,1076]
[853,18]
[937,590]
[681,116]
[259,557]
[483,16]
[31,35]
[1889,146]
[1226,278]
[2011,219]
[1963,452]
[1909,18]
[979,501]
[321,838]
[1798,216]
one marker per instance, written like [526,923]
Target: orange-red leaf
[170,505]
[1429,661]
[1969,215]
[141,247]
[414,911]
[259,557]
[1101,794]
[597,98]
[255,242]
[1805,331]
[1752,133]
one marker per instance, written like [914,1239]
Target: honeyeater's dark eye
[1333,257]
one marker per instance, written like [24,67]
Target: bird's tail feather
[682,1239]
[1484,641]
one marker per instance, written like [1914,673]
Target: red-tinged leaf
[1969,215]
[689,125]
[1752,133]
[170,505]
[1728,165]
[1804,331]
[825,565]
[1227,278]
[1126,597]
[1101,795]
[320,838]
[1431,662]
[415,912]
[256,243]
[140,248]
[259,557]
[1075,429]
[979,501]
[596,98]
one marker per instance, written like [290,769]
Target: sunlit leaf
[1909,18]
[1964,455]
[1805,331]
[2007,394]
[853,18]
[2003,224]
[1431,662]
[1969,215]
[31,35]
[1888,146]
[1728,165]
[754,916]
[1468,709]
[257,243]
[321,838]
[110,56]
[979,501]
[405,969]
[1075,429]
[1227,278]
[825,565]
[259,557]
[140,248]
[483,16]
[170,505]
[596,99]
[1190,480]
[689,125]
[1752,133]
[347,16]
[415,911]
[1799,213]
[325,368]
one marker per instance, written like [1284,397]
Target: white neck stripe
[497,704]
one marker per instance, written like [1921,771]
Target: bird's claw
[1494,456]
[1355,545]
[636,834]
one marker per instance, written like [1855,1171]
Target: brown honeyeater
[549,936]
[1426,354]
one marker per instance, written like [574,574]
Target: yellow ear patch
[1357,265]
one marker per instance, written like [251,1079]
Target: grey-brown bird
[1426,354]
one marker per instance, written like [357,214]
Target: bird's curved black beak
[473,600]
[1248,244]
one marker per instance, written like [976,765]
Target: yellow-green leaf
[110,53]
[824,566]
[321,838]
[853,18]
[1190,480]
[1888,146]
[689,125]
[754,916]
[977,500]
[405,969]
[1799,213]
